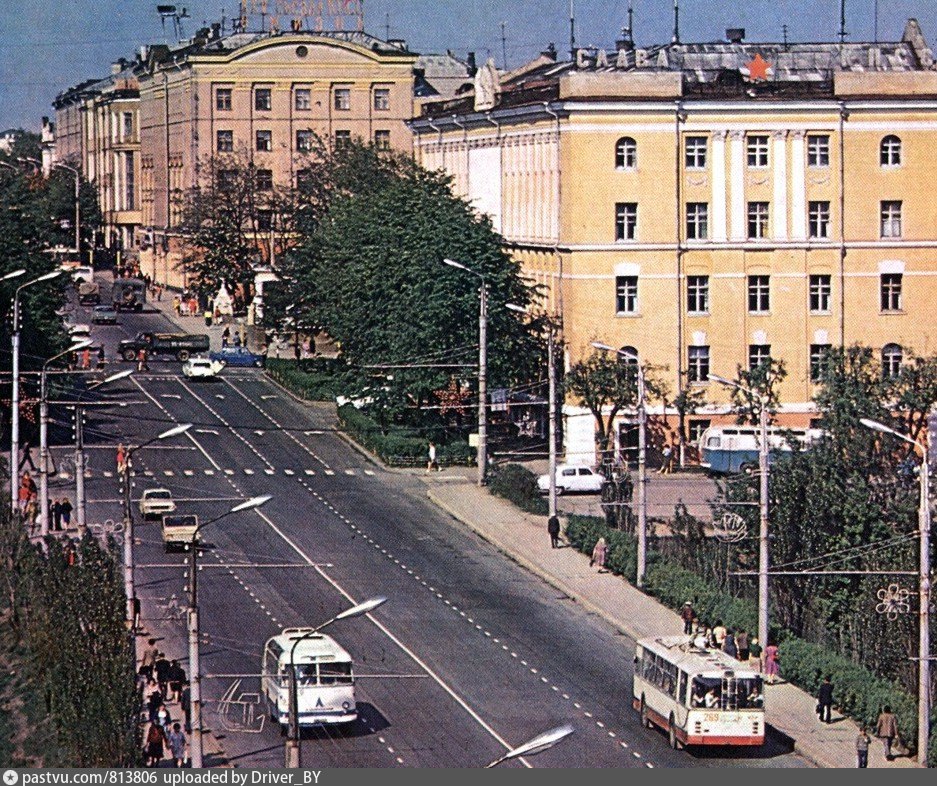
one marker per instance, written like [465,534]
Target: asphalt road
[470,655]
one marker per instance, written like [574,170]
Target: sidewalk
[524,539]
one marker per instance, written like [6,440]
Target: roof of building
[440,76]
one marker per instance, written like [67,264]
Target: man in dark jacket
[161,668]
[825,700]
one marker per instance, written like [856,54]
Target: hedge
[518,484]
[859,693]
[318,383]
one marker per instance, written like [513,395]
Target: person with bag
[825,700]
[553,529]
[887,730]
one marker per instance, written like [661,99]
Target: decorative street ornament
[894,600]
[451,399]
[758,70]
[730,528]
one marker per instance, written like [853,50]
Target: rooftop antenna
[223,22]
[387,27]
[876,21]
[241,24]
[676,21]
[504,47]
[784,34]
[842,22]
[629,31]
[572,29]
[263,16]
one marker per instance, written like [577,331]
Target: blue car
[238,356]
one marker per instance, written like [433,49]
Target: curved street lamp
[537,745]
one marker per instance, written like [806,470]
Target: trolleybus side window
[681,694]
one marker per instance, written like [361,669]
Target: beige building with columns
[713,205]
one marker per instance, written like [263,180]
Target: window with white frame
[697,294]
[304,140]
[697,220]
[759,294]
[818,220]
[890,151]
[263,179]
[757,220]
[263,99]
[626,220]
[382,139]
[818,150]
[891,218]
[757,150]
[381,99]
[891,286]
[892,358]
[821,289]
[695,149]
[758,355]
[342,99]
[342,139]
[302,99]
[819,359]
[698,364]
[224,141]
[626,294]
[264,140]
[626,153]
[223,99]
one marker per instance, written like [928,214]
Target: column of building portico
[737,218]
[798,186]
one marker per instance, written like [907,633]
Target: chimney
[735,35]
[472,65]
[117,66]
[550,52]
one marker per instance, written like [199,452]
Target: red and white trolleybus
[698,696]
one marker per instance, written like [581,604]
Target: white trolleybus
[325,682]
[698,696]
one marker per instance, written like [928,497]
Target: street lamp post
[15,403]
[924,591]
[129,589]
[293,751]
[195,678]
[642,460]
[482,370]
[44,435]
[537,745]
[763,470]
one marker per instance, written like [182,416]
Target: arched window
[628,356]
[892,356]
[626,153]
[890,151]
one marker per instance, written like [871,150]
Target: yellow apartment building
[712,205]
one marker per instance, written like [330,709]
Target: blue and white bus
[727,449]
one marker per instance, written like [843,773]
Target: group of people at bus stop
[734,642]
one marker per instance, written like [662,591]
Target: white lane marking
[369,472]
[270,471]
[313,433]
[248,471]
[209,472]
[219,397]
[108,474]
[229,472]
[188,473]
[259,433]
[206,431]
[288,472]
[268,397]
[350,472]
[171,395]
[310,472]
[329,472]
[169,473]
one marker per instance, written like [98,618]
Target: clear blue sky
[47,46]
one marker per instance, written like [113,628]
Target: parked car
[178,531]
[180,345]
[238,356]
[79,330]
[201,368]
[104,315]
[89,293]
[82,273]
[156,502]
[570,478]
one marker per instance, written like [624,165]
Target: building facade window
[821,290]
[263,99]
[695,152]
[342,99]
[626,221]
[264,140]
[818,220]
[696,429]
[224,141]
[759,294]
[626,294]
[382,99]
[127,130]
[304,141]
[891,219]
[891,285]
[130,189]
[757,220]
[264,220]
[818,150]
[698,365]
[227,178]
[819,357]
[223,99]
[263,179]
[342,139]
[382,139]
[302,99]
[626,153]
[303,179]
[758,355]
[697,294]
[757,151]
[697,221]
[892,357]
[890,151]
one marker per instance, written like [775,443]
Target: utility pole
[80,505]
[924,589]
[551,428]
[195,674]
[483,384]
[763,469]
[504,47]
[642,478]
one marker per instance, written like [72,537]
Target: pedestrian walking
[208,317]
[27,457]
[27,491]
[193,306]
[741,641]
[176,680]
[159,293]
[667,454]
[142,365]
[553,527]
[177,742]
[599,554]
[155,741]
[177,305]
[862,748]
[687,615]
[86,358]
[771,667]
[65,508]
[431,453]
[729,647]
[825,700]
[225,336]
[187,706]
[148,658]
[102,358]
[154,701]
[754,655]
[237,339]
[887,730]
[56,516]
[161,669]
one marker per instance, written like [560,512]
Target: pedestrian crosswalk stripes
[189,473]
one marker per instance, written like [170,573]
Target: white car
[82,273]
[201,368]
[573,479]
[79,330]
[156,502]
[179,531]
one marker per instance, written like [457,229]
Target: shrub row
[518,485]
[316,383]
[859,693]
[395,448]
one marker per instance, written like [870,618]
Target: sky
[47,46]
